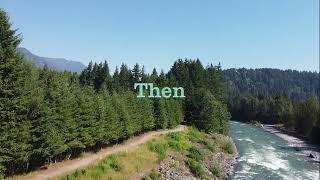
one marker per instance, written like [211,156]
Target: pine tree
[112,128]
[160,114]
[115,81]
[122,116]
[86,75]
[14,127]
[154,76]
[125,78]
[52,124]
[161,80]
[84,115]
[105,76]
[136,73]
[213,117]
[144,76]
[145,108]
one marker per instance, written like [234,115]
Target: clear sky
[238,33]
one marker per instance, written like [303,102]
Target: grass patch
[178,141]
[209,145]
[196,154]
[176,136]
[225,143]
[228,147]
[197,169]
[195,135]
[176,145]
[154,175]
[159,148]
[112,163]
[216,170]
[118,166]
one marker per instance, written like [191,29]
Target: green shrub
[175,145]
[111,162]
[77,173]
[154,175]
[84,172]
[216,170]
[105,167]
[228,147]
[209,145]
[194,135]
[160,149]
[197,169]
[177,136]
[74,175]
[69,177]
[116,165]
[196,154]
[97,173]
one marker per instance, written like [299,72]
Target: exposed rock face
[175,166]
[227,162]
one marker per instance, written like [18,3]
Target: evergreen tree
[15,135]
[144,76]
[84,114]
[213,117]
[161,80]
[112,127]
[307,115]
[86,76]
[136,73]
[116,81]
[105,76]
[160,114]
[125,78]
[154,76]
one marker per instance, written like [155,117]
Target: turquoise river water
[265,156]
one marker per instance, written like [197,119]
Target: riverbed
[263,155]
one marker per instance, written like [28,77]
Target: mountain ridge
[58,64]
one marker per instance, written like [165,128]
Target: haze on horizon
[280,34]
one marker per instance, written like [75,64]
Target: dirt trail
[86,159]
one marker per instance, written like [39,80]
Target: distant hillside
[58,64]
[297,85]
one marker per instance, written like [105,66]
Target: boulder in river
[311,155]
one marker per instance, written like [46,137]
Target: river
[263,155]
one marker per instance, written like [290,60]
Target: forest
[274,96]
[48,116]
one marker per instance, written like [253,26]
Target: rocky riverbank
[217,163]
[301,146]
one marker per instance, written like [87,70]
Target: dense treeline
[204,104]
[47,116]
[275,96]
[295,85]
[301,117]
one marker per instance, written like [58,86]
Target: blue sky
[239,33]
